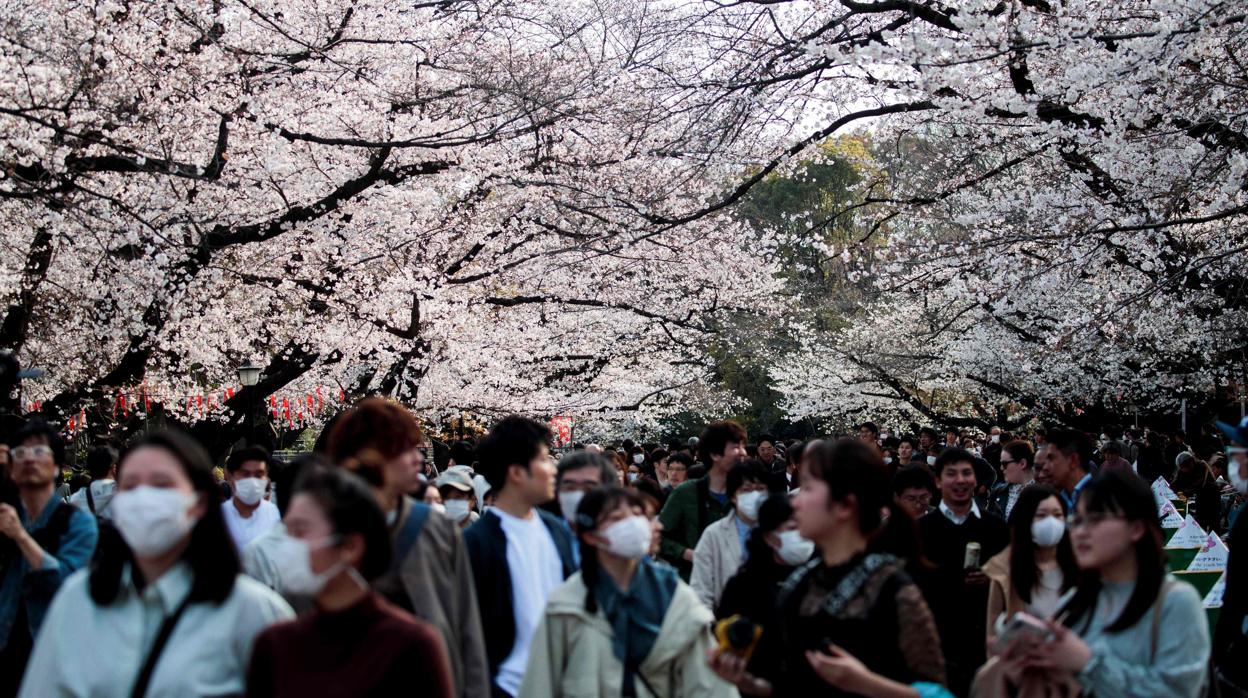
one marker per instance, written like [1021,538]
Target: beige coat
[571,654]
[437,577]
[716,559]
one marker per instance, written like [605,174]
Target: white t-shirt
[535,572]
[102,492]
[244,531]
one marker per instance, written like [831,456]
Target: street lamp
[249,376]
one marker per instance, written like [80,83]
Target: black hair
[914,477]
[39,429]
[210,553]
[1024,572]
[749,470]
[1109,448]
[515,440]
[716,437]
[463,453]
[774,512]
[349,505]
[930,432]
[695,471]
[794,453]
[1070,442]
[953,456]
[766,437]
[850,467]
[914,442]
[100,461]
[658,454]
[1122,493]
[286,475]
[579,460]
[683,458]
[247,453]
[594,504]
[871,427]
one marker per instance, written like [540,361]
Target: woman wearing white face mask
[1038,567]
[624,625]
[163,602]
[721,548]
[775,549]
[354,642]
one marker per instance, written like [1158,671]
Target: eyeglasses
[920,500]
[1091,520]
[22,452]
[1005,462]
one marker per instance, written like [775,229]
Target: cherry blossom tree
[1057,222]
[491,206]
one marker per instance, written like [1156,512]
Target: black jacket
[487,549]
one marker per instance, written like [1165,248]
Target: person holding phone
[1130,628]
[855,598]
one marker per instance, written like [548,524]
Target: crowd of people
[877,564]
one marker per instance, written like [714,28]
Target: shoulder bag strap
[158,647]
[90,498]
[1156,629]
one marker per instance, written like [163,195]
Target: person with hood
[624,625]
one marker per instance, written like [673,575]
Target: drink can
[971,559]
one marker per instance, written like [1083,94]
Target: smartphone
[1022,625]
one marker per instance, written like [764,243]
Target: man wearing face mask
[247,514]
[719,553]
[1230,638]
[459,498]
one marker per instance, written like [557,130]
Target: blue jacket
[67,535]
[487,549]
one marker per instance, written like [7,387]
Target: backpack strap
[406,537]
[91,499]
[49,537]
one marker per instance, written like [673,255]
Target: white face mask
[888,461]
[794,549]
[1048,531]
[439,507]
[632,477]
[748,504]
[250,490]
[293,556]
[931,460]
[638,458]
[629,537]
[1239,482]
[152,519]
[996,438]
[458,509]
[568,502]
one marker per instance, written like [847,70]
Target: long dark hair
[350,506]
[851,467]
[1024,572]
[210,554]
[1122,493]
[594,504]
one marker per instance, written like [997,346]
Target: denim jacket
[35,588]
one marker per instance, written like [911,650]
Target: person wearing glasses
[678,465]
[1130,628]
[1018,461]
[43,540]
[913,488]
